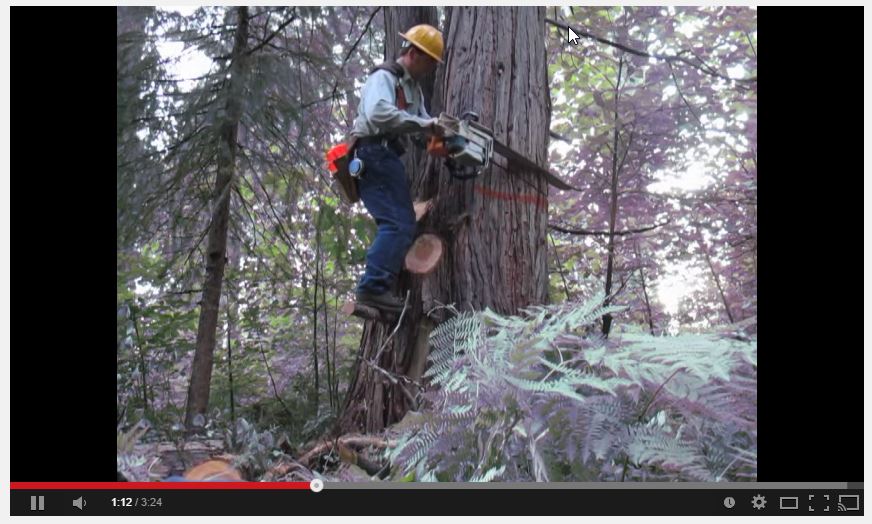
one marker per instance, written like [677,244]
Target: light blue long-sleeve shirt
[378,114]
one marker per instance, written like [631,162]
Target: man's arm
[378,105]
[423,111]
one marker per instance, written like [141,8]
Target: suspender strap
[396,70]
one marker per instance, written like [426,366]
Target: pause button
[37,505]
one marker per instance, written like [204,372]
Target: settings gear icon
[759,501]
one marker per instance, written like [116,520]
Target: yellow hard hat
[426,38]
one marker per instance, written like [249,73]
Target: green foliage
[128,461]
[537,397]
[255,451]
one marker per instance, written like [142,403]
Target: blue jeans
[385,193]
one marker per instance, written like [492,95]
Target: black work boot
[385,302]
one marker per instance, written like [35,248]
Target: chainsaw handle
[436,146]
[471,116]
[434,128]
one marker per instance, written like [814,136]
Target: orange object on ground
[213,470]
[335,152]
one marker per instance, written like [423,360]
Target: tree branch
[359,38]
[690,107]
[667,58]
[351,50]
[332,95]
[274,33]
[185,292]
[750,43]
[559,137]
[358,441]
[588,232]
[272,381]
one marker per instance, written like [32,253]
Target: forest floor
[355,458]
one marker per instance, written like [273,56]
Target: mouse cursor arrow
[573,38]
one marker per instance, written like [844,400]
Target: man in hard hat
[391,105]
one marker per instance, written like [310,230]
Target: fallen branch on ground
[357,441]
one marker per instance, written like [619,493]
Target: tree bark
[143,368]
[645,291]
[201,370]
[231,306]
[495,254]
[316,281]
[613,211]
[717,279]
[327,363]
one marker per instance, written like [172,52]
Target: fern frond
[561,387]
[501,407]
[489,475]
[649,445]
[416,450]
[578,379]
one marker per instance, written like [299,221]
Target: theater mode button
[788,503]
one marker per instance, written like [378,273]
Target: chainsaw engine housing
[467,145]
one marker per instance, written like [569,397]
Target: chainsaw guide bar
[472,144]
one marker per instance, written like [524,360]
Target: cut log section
[424,254]
[367,312]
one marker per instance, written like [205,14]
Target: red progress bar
[161,485]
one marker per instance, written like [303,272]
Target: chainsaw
[468,148]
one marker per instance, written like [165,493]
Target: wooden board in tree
[424,254]
[368,312]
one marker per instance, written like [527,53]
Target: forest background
[224,117]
